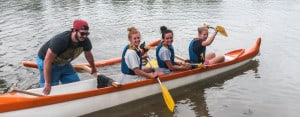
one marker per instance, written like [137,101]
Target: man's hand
[206,25]
[94,70]
[47,89]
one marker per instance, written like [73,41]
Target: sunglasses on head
[84,33]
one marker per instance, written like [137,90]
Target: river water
[267,86]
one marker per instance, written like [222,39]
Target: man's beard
[76,37]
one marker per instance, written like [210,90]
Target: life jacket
[124,66]
[196,57]
[161,63]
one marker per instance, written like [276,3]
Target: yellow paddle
[221,30]
[166,94]
[152,63]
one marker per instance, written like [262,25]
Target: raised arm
[210,39]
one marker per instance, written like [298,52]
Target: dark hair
[164,30]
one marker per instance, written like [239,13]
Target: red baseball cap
[80,25]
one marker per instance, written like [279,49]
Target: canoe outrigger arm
[25,92]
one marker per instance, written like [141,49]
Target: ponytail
[164,30]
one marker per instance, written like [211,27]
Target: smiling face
[168,40]
[81,35]
[135,39]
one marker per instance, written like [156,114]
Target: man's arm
[90,58]
[47,71]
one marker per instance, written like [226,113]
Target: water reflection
[2,83]
[221,94]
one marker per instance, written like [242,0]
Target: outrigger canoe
[80,98]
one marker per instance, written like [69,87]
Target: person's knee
[210,55]
[222,58]
[213,55]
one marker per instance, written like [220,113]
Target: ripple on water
[185,107]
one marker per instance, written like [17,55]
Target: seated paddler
[165,54]
[197,48]
[131,65]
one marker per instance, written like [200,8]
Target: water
[267,86]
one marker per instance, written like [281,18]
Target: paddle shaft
[26,92]
[159,80]
[179,57]
[211,27]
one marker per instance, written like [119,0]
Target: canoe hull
[84,101]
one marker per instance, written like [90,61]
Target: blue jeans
[65,74]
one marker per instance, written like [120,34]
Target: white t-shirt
[133,61]
[164,53]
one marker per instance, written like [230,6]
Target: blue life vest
[162,63]
[124,67]
[196,57]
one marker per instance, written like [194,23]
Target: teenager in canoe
[197,48]
[131,65]
[165,53]
[54,56]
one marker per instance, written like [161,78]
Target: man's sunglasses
[84,33]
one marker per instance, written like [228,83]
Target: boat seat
[228,58]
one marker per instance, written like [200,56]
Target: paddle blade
[153,63]
[168,98]
[222,30]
